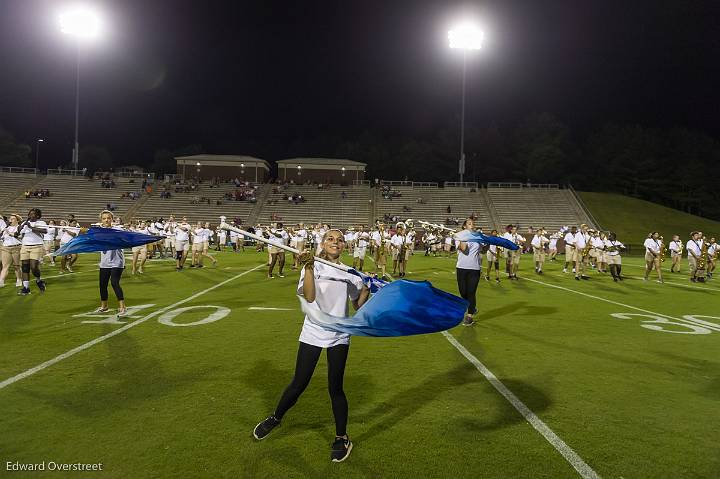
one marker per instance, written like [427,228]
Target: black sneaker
[24,291]
[41,285]
[341,449]
[263,429]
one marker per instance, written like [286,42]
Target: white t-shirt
[66,236]
[618,245]
[349,236]
[332,289]
[695,247]
[448,240]
[470,258]
[652,246]
[597,242]
[198,235]
[553,243]
[361,239]
[29,238]
[7,237]
[581,240]
[397,241]
[570,239]
[182,234]
[675,246]
[50,235]
[301,234]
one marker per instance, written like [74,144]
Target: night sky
[256,77]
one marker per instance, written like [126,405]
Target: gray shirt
[113,258]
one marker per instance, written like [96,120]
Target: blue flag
[373,284]
[104,239]
[477,237]
[400,308]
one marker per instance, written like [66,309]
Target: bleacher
[433,208]
[78,195]
[547,207]
[182,204]
[321,205]
[12,185]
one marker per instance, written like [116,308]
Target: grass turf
[632,219]
[162,401]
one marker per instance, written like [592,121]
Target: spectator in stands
[343,195]
[448,209]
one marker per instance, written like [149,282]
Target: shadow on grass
[17,312]
[126,378]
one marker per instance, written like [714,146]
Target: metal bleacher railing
[547,186]
[15,169]
[458,184]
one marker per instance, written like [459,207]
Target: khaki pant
[614,259]
[692,264]
[10,255]
[513,256]
[33,252]
[569,253]
[539,255]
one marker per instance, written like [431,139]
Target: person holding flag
[328,288]
[112,264]
[468,270]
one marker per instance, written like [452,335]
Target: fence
[547,186]
[62,172]
[16,169]
[458,184]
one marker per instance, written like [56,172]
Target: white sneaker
[18,283]
[122,312]
[2,285]
[564,270]
[69,268]
[101,310]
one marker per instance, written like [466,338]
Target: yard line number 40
[216,313]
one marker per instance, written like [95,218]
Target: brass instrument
[663,251]
[703,259]
[588,244]
[381,249]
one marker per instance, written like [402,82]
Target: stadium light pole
[83,24]
[465,37]
[37,154]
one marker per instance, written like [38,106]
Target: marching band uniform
[653,247]
[569,250]
[675,248]
[694,250]
[538,244]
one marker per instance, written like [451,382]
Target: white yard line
[260,308]
[100,339]
[599,298]
[560,446]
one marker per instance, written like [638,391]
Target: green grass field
[635,395]
[632,219]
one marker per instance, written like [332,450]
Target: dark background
[608,95]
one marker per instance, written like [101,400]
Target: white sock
[26,284]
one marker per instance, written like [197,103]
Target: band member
[582,249]
[613,248]
[49,241]
[221,235]
[712,256]
[447,246]
[31,250]
[493,259]
[10,250]
[330,289]
[350,240]
[182,243]
[553,247]
[653,246]
[66,234]
[379,242]
[409,248]
[301,236]
[570,249]
[676,248]
[596,247]
[139,252]
[277,254]
[362,239]
[112,264]
[235,238]
[397,245]
[169,233]
[539,243]
[468,270]
[602,259]
[694,250]
[513,256]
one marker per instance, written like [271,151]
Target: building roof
[321,161]
[224,158]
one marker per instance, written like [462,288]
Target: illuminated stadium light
[81,21]
[466,37]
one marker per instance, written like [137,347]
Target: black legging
[467,280]
[307,358]
[113,276]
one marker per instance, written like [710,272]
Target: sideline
[89,344]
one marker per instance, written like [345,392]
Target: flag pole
[290,249]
